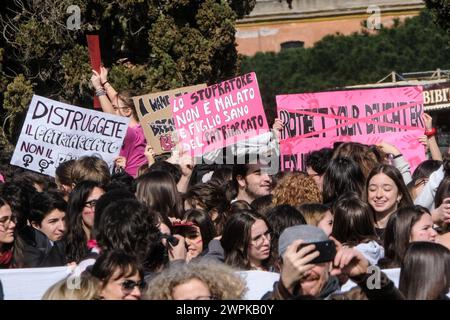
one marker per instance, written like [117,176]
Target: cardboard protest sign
[258,283]
[54,132]
[317,120]
[220,115]
[155,115]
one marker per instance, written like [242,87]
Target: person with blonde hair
[196,281]
[91,168]
[84,287]
[318,215]
[296,189]
[63,178]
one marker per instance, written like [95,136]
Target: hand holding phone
[327,251]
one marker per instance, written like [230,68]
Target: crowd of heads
[148,239]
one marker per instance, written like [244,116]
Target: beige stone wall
[272,23]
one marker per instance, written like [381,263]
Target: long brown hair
[425,271]
[236,239]
[398,234]
[367,157]
[393,173]
[353,220]
[157,189]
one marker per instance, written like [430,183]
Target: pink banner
[318,120]
[219,115]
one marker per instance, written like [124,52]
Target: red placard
[94,54]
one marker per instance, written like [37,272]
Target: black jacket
[387,291]
[39,251]
[1,291]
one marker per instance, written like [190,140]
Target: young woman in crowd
[252,249]
[385,192]
[421,175]
[128,225]
[80,219]
[263,204]
[425,272]
[318,215]
[121,276]
[209,196]
[354,226]
[63,178]
[158,191]
[199,235]
[342,175]
[18,196]
[7,230]
[282,217]
[426,198]
[131,155]
[407,224]
[197,281]
[367,157]
[316,163]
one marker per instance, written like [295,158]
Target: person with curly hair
[296,189]
[196,281]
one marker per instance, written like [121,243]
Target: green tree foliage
[337,61]
[440,10]
[166,43]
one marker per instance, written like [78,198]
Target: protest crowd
[154,222]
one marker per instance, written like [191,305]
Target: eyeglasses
[128,285]
[6,220]
[118,108]
[91,204]
[259,240]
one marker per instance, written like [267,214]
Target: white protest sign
[32,283]
[54,132]
[258,283]
[393,274]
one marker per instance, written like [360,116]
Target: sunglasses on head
[128,285]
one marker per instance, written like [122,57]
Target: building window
[292,44]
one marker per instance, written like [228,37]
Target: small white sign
[55,132]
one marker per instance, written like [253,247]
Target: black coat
[39,251]
[1,291]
